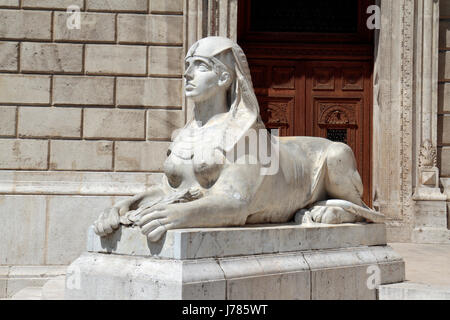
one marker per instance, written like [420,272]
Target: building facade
[87,111]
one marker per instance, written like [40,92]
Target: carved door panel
[279,87]
[329,99]
[311,63]
[339,108]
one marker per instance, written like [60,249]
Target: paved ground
[426,263]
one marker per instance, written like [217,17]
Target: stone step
[54,289]
[51,290]
[413,291]
[28,293]
[15,278]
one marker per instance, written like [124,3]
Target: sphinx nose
[187,76]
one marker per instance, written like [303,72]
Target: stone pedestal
[430,225]
[259,262]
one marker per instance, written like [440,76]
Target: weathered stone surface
[445,161]
[157,29]
[29,293]
[166,6]
[315,274]
[199,243]
[140,156]
[444,129]
[431,214]
[7,121]
[431,235]
[54,289]
[51,4]
[11,89]
[425,263]
[161,123]
[267,277]
[444,97]
[114,123]
[4,270]
[71,90]
[413,291]
[345,273]
[76,183]
[157,92]
[49,122]
[65,243]
[81,155]
[21,277]
[51,57]
[9,3]
[8,56]
[95,27]
[445,182]
[430,223]
[24,222]
[117,5]
[167,61]
[444,65]
[150,278]
[23,154]
[110,59]
[24,25]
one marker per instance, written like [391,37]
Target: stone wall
[444,99]
[85,116]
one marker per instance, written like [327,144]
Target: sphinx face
[201,81]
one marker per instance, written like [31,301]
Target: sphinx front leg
[210,211]
[112,217]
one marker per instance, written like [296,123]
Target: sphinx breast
[173,171]
[203,166]
[207,172]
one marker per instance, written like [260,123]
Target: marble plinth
[259,262]
[199,243]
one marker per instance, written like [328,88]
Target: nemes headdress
[244,109]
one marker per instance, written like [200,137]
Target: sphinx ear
[224,79]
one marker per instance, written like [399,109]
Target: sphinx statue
[216,174]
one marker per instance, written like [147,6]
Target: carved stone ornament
[427,155]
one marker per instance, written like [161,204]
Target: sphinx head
[209,68]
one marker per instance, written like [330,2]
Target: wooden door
[329,99]
[311,65]
[279,86]
[338,107]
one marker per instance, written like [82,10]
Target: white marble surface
[413,291]
[314,274]
[198,243]
[15,278]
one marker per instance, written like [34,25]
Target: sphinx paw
[331,215]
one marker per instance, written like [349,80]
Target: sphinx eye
[203,66]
